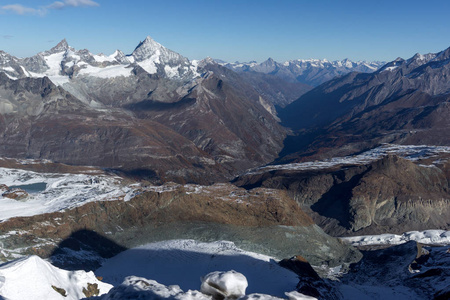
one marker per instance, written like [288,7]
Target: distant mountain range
[283,83]
[312,72]
[405,102]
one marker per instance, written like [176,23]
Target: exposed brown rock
[264,220]
[222,203]
[60,291]
[91,290]
[16,194]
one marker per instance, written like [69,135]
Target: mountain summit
[155,58]
[60,47]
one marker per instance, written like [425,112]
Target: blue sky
[231,30]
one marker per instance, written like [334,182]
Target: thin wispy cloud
[72,3]
[7,36]
[20,9]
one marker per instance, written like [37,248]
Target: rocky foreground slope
[263,220]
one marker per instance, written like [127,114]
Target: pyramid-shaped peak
[149,39]
[60,47]
[150,49]
[148,43]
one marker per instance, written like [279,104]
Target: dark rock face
[388,272]
[389,195]
[311,283]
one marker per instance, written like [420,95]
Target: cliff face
[388,195]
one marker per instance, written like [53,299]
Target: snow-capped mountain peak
[155,58]
[120,57]
[147,49]
[60,47]
[150,49]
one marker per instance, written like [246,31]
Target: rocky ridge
[388,195]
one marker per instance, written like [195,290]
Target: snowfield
[410,152]
[427,237]
[62,191]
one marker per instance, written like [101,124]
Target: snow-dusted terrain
[62,191]
[32,278]
[63,63]
[410,152]
[427,237]
[184,262]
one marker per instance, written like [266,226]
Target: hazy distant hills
[312,72]
[298,76]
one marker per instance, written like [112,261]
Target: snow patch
[149,65]
[409,152]
[63,191]
[427,237]
[32,278]
[224,284]
[106,72]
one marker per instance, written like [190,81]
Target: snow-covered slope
[410,152]
[61,191]
[63,63]
[427,237]
[184,262]
[33,278]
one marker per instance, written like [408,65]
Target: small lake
[31,188]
